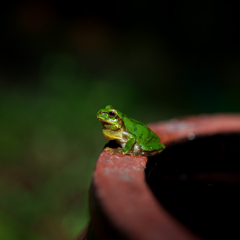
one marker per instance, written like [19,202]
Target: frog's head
[110,118]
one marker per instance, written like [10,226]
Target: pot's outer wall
[122,205]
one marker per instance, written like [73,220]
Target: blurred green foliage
[50,140]
[59,65]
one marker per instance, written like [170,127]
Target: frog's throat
[113,134]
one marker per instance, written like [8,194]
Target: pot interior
[198,182]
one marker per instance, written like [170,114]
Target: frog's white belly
[123,140]
[121,143]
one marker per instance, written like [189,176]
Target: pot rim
[123,205]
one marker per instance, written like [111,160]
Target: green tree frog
[134,137]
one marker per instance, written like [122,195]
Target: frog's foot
[119,150]
[108,148]
[126,153]
[131,153]
[114,150]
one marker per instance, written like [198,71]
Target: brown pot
[189,191]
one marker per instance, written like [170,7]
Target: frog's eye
[112,114]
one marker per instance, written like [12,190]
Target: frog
[133,137]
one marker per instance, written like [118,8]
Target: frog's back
[147,139]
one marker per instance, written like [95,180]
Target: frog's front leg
[129,144]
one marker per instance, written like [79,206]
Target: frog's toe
[114,150]
[107,148]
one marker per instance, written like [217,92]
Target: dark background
[60,62]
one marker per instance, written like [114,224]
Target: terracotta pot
[189,191]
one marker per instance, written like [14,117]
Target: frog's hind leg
[136,149]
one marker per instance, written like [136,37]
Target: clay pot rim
[124,198]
